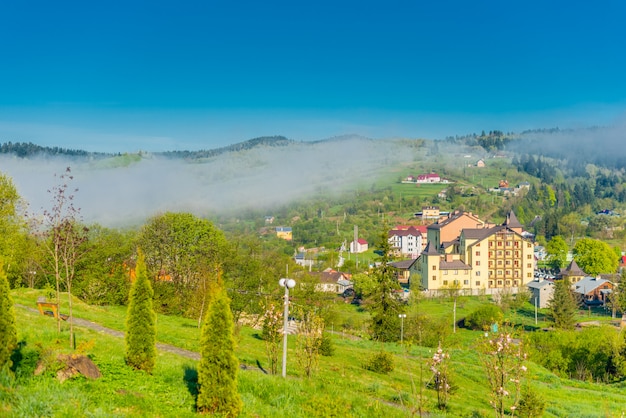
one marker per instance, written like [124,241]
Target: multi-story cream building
[480,256]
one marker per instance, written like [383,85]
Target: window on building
[508,253]
[445,272]
[477,253]
[529,265]
[499,272]
[434,267]
[434,277]
[456,272]
[478,273]
[529,256]
[508,262]
[466,282]
[445,282]
[515,283]
[499,243]
[508,283]
[529,275]
[499,282]
[499,262]
[490,283]
[477,282]
[478,262]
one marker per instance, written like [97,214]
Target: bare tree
[62,240]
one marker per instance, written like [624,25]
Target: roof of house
[451,218]
[572,269]
[589,284]
[538,284]
[453,265]
[403,264]
[511,221]
[430,249]
[411,230]
[283,229]
[476,233]
[361,241]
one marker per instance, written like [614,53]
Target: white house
[406,241]
[359,246]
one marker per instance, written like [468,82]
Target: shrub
[483,317]
[531,403]
[327,348]
[381,362]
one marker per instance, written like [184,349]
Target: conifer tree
[385,305]
[217,370]
[8,332]
[141,321]
[563,305]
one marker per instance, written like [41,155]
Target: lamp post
[287,284]
[401,316]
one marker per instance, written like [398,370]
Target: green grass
[340,386]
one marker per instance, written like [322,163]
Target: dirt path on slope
[115,333]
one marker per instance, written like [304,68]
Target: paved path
[115,333]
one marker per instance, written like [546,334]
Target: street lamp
[287,284]
[401,316]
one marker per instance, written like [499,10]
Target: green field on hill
[339,387]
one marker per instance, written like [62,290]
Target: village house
[405,241]
[541,292]
[593,290]
[404,270]
[359,246]
[332,281]
[284,232]
[572,272]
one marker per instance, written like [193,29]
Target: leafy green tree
[13,245]
[557,250]
[384,304]
[103,274]
[563,305]
[141,321]
[8,331]
[595,257]
[183,252]
[217,370]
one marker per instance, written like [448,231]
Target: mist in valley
[260,178]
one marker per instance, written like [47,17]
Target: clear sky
[162,75]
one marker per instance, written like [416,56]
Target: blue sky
[160,75]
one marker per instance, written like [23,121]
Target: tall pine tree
[563,305]
[8,332]
[217,370]
[141,321]
[385,304]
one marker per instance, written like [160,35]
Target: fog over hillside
[259,178]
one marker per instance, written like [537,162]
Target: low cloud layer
[261,178]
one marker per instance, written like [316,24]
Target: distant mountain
[263,141]
[28,149]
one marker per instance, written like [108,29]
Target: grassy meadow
[340,386]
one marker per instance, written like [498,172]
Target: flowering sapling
[503,358]
[441,376]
